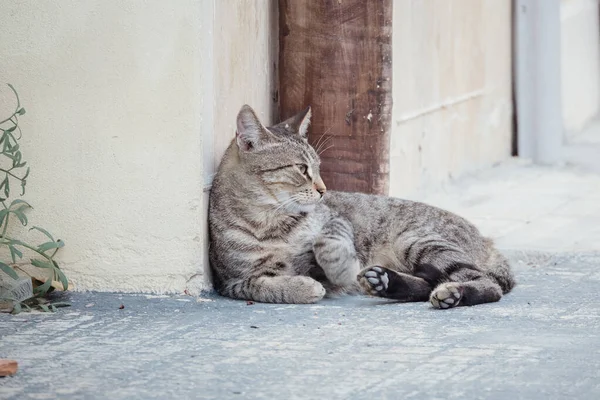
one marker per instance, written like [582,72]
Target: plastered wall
[452,108]
[580,63]
[120,98]
[244,45]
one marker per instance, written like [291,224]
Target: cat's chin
[305,208]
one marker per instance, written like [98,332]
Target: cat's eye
[303,169]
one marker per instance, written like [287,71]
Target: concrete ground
[531,208]
[540,342]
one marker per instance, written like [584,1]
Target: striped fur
[276,238]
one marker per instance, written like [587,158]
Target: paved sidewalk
[540,342]
[534,208]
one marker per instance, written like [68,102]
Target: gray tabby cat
[277,237]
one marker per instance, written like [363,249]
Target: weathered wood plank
[336,55]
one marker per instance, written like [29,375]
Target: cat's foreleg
[335,253]
[276,289]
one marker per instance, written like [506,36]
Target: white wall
[119,96]
[452,107]
[580,63]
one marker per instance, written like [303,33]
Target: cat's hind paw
[446,295]
[374,280]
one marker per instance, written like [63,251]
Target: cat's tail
[498,267]
[275,289]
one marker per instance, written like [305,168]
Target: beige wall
[244,57]
[452,107]
[120,97]
[580,63]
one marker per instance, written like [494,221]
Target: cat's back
[383,218]
[361,208]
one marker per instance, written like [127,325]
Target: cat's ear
[299,123]
[251,133]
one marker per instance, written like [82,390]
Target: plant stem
[8,240]
[10,173]
[18,104]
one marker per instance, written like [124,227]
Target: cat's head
[281,157]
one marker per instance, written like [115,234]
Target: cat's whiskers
[325,149]
[288,201]
[316,145]
[323,144]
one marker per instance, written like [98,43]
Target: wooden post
[336,55]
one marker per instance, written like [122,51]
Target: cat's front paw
[305,290]
[446,295]
[374,280]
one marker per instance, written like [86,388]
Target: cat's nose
[320,186]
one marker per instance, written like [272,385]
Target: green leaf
[42,264]
[21,111]
[45,232]
[9,271]
[12,149]
[63,279]
[44,307]
[7,188]
[19,213]
[3,214]
[26,174]
[15,252]
[16,309]
[22,207]
[4,183]
[19,201]
[50,245]
[11,129]
[23,183]
[43,289]
[17,159]
[52,307]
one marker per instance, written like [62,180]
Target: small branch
[55,251]
[18,104]
[10,173]
[8,240]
